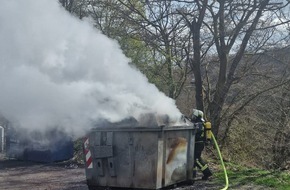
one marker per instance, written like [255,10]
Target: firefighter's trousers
[199,163]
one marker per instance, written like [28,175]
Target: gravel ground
[17,175]
[20,175]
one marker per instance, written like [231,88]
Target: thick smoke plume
[56,70]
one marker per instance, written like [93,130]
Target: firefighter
[200,140]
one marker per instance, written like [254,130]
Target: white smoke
[56,70]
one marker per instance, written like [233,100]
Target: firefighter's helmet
[197,114]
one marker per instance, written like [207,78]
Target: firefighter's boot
[206,173]
[204,168]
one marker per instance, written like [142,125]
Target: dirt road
[20,175]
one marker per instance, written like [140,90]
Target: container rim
[140,128]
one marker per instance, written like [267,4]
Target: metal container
[139,157]
[52,146]
[2,142]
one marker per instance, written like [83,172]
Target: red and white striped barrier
[89,159]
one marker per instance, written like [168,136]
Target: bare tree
[162,29]
[230,27]
[256,112]
[76,7]
[208,38]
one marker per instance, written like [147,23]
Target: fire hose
[209,135]
[222,163]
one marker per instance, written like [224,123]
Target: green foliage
[78,145]
[240,175]
[78,151]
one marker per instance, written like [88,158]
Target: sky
[57,70]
